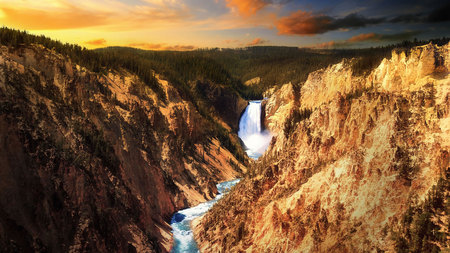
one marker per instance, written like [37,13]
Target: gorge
[100,162]
[358,164]
[256,141]
[127,150]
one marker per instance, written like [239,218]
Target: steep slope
[97,162]
[350,156]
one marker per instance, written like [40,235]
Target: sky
[191,24]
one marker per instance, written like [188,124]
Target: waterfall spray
[250,131]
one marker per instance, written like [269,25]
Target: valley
[257,149]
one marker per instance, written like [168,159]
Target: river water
[183,236]
[256,141]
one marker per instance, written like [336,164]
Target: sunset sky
[190,24]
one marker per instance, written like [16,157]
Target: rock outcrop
[226,103]
[97,162]
[342,177]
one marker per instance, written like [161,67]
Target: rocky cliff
[94,162]
[351,167]
[227,104]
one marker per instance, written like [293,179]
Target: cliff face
[340,177]
[228,105]
[96,162]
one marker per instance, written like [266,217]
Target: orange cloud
[110,15]
[363,37]
[231,41]
[247,7]
[162,46]
[303,23]
[33,19]
[329,44]
[97,42]
[148,46]
[256,41]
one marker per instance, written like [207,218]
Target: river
[183,237]
[256,141]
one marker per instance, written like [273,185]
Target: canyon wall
[350,156]
[94,162]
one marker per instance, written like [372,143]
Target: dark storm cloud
[439,14]
[409,18]
[305,23]
[354,21]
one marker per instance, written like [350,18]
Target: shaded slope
[98,162]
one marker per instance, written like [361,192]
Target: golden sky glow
[190,24]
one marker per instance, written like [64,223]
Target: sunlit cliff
[357,164]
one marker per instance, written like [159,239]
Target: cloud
[111,15]
[96,42]
[384,37]
[303,23]
[354,21]
[230,22]
[247,7]
[409,18]
[148,46]
[329,44]
[231,41]
[363,37]
[256,41]
[440,14]
[367,37]
[306,23]
[34,19]
[162,46]
[151,14]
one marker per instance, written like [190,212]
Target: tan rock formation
[346,174]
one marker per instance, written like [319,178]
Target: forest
[274,65]
[229,68]
[418,230]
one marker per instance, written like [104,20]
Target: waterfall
[250,131]
[256,141]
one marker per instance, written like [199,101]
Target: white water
[250,131]
[183,237]
[256,142]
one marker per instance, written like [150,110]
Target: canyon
[354,161]
[115,156]
[98,161]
